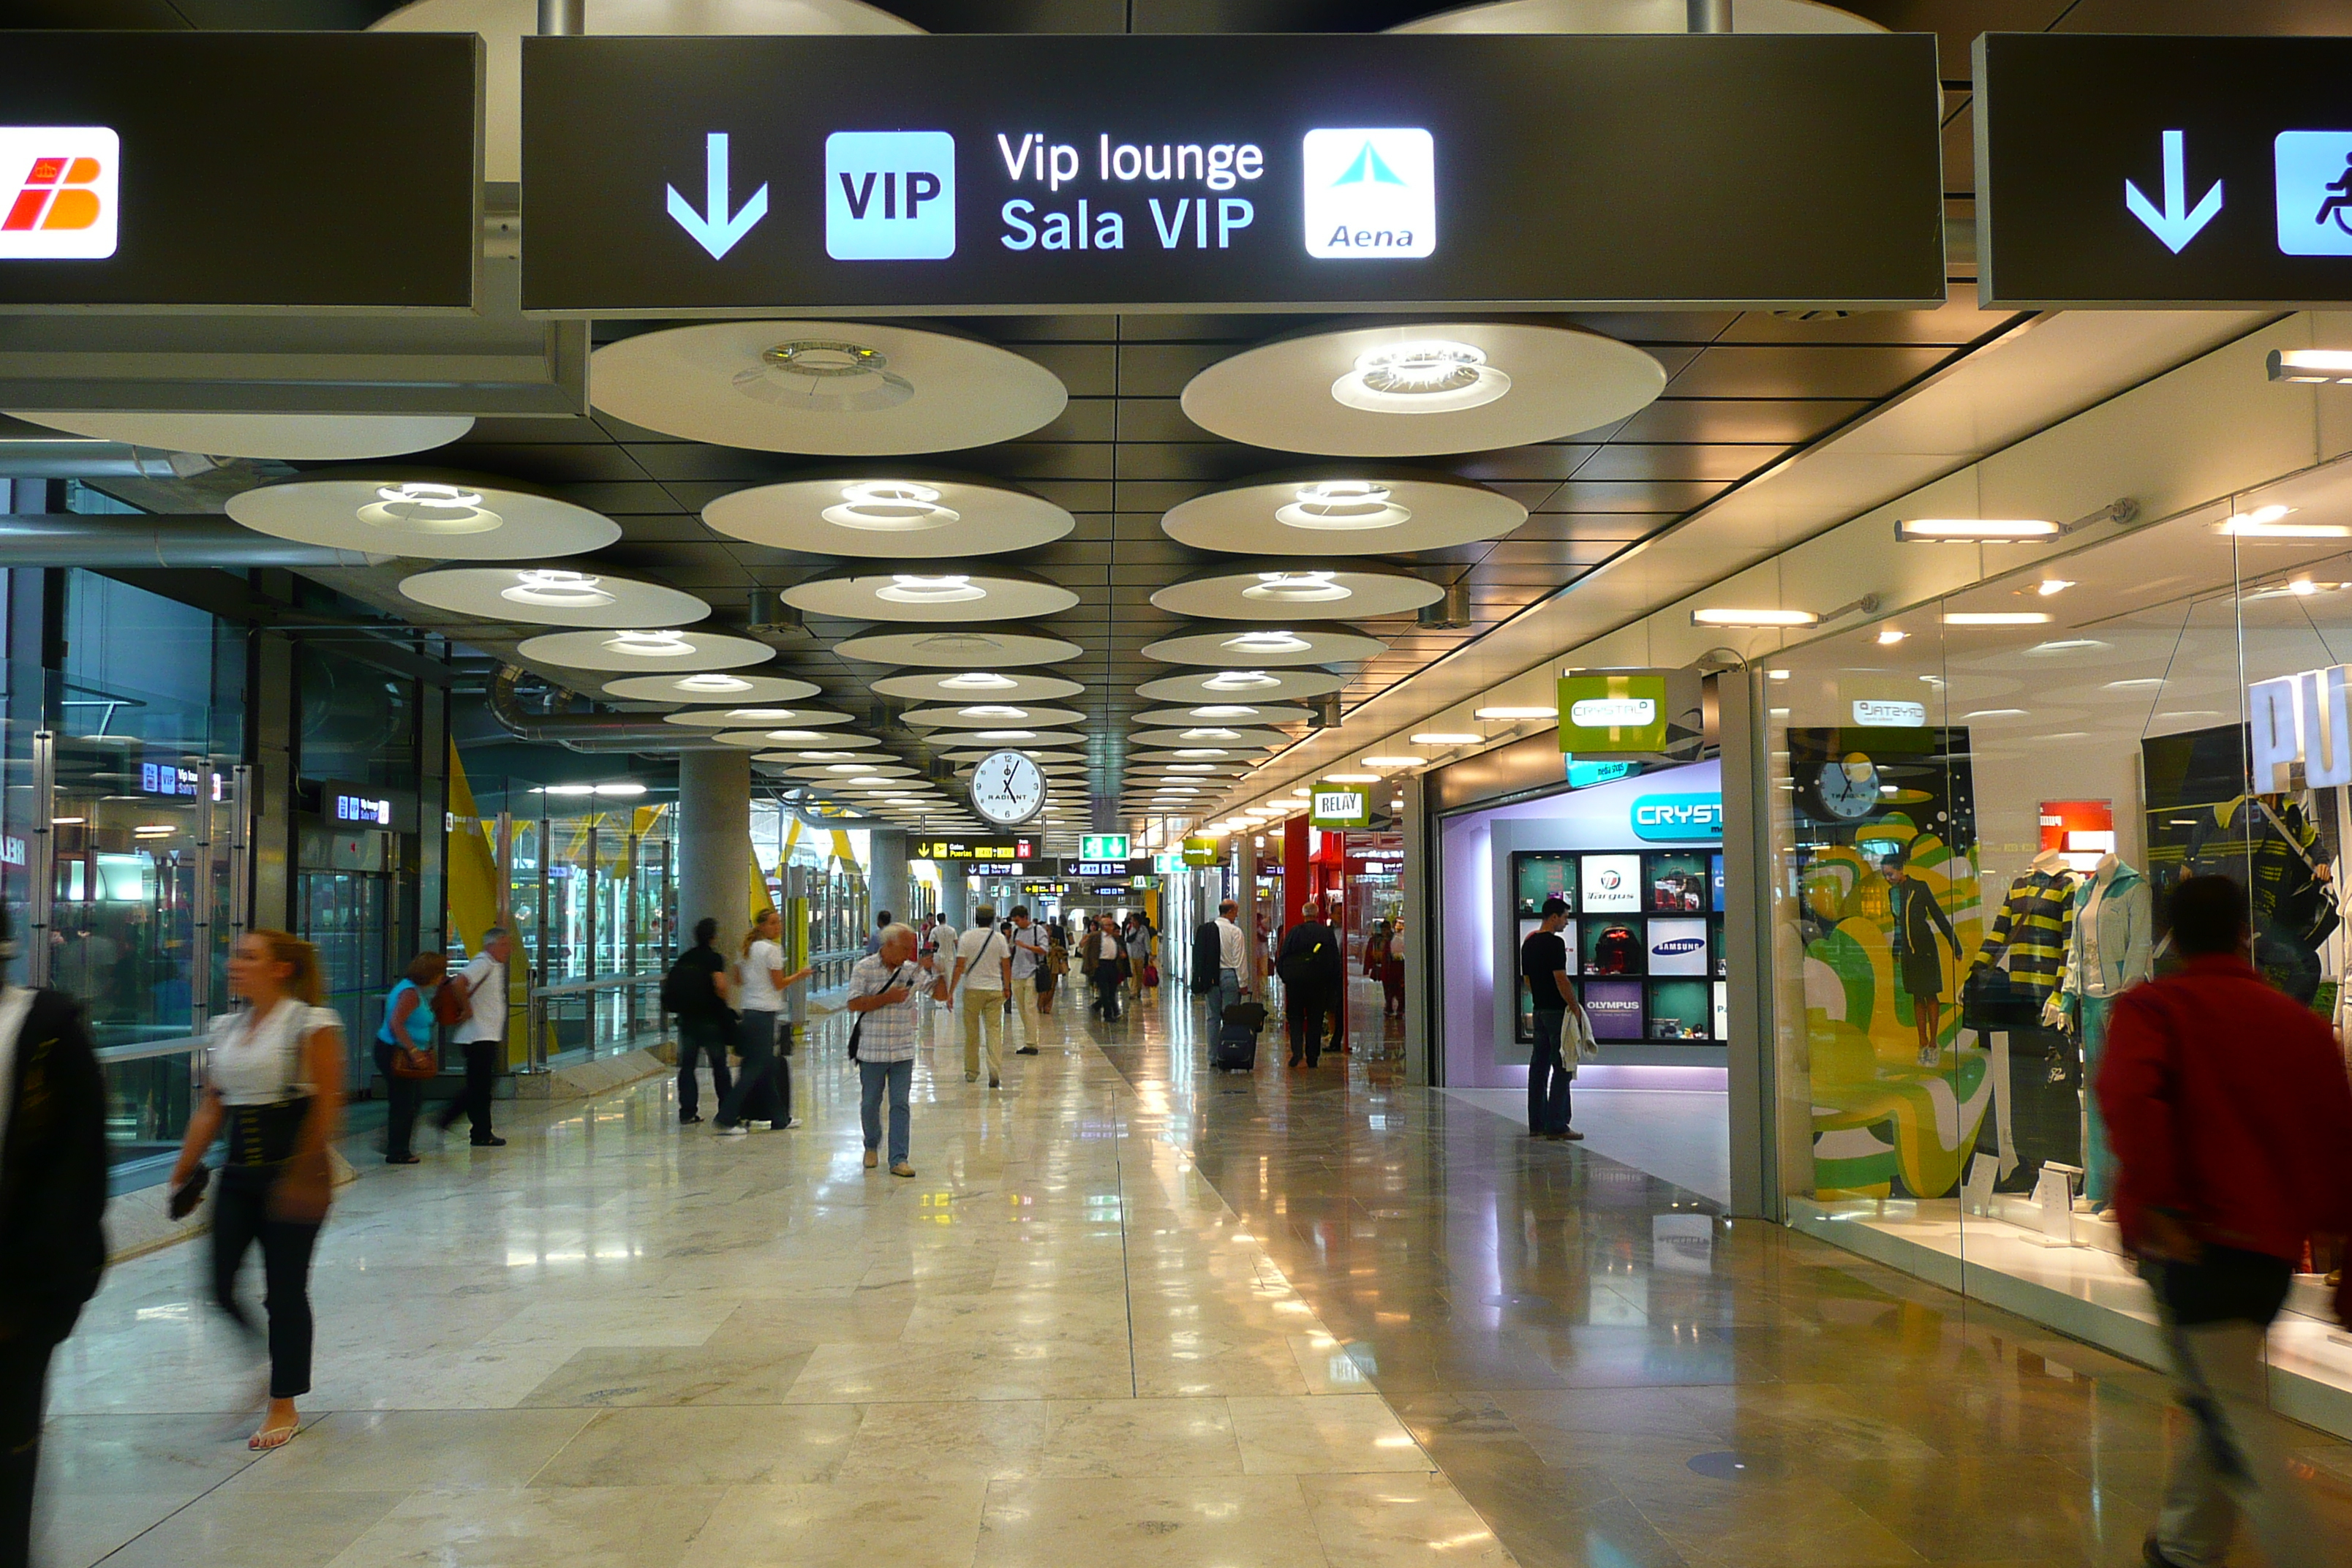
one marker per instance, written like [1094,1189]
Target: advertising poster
[1609,947]
[1680,1010]
[1679,884]
[1615,1008]
[1543,874]
[1722,1011]
[1678,947]
[1613,885]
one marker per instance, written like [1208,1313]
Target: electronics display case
[1644,939]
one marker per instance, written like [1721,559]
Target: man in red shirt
[2231,1118]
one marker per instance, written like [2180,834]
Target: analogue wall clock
[1008,788]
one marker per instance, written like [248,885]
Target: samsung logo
[1680,945]
[1671,818]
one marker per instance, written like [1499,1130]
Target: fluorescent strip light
[2311,365]
[1997,618]
[2262,523]
[1730,617]
[1446,738]
[1394,762]
[1975,531]
[1351,778]
[1509,714]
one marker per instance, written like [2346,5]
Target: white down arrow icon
[2175,225]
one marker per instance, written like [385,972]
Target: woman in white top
[760,982]
[274,1080]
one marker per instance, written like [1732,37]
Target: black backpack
[675,994]
[1208,956]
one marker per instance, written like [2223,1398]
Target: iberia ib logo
[60,185]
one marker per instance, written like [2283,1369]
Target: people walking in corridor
[1312,971]
[1028,969]
[696,991]
[983,968]
[1226,953]
[882,990]
[53,1170]
[482,1035]
[274,1078]
[1104,955]
[407,1030]
[1141,967]
[2231,1125]
[1551,1066]
[1050,972]
[767,1071]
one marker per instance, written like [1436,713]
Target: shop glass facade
[1977,809]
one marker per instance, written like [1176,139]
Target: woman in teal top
[408,1020]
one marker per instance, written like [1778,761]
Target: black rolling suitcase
[1235,1048]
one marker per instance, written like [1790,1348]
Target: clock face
[1008,787]
[1848,790]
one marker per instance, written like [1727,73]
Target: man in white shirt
[483,1035]
[983,968]
[1233,961]
[1028,953]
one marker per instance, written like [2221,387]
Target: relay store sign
[682,176]
[240,171]
[2135,171]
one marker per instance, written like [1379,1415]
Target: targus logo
[1371,195]
[61,190]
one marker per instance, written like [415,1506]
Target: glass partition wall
[1979,807]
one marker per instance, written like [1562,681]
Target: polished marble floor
[1129,1311]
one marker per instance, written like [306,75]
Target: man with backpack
[1312,971]
[476,997]
[696,990]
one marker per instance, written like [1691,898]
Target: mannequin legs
[2098,1161]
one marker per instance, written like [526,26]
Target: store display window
[1977,809]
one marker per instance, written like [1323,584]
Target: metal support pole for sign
[588,924]
[568,18]
[200,943]
[1705,16]
[44,857]
[240,849]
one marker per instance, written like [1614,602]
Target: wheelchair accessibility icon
[2314,171]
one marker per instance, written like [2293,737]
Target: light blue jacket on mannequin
[2124,938]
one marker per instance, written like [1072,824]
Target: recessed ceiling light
[1996,618]
[850,768]
[1191,767]
[1298,587]
[1726,616]
[1267,642]
[713,681]
[1394,762]
[1529,713]
[1208,732]
[2140,683]
[1890,637]
[1446,738]
[624,790]
[1342,505]
[568,789]
[890,506]
[651,644]
[2049,585]
[1351,778]
[2310,364]
[2262,523]
[2044,649]
[424,508]
[1240,680]
[978,680]
[992,710]
[917,588]
[1200,751]
[557,590]
[1434,375]
[1004,734]
[1975,531]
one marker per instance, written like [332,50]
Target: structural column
[955,892]
[714,842]
[886,873]
[1246,894]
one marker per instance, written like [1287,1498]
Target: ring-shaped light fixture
[1238,739]
[1262,715]
[849,389]
[972,592]
[908,518]
[1194,687]
[972,686]
[288,438]
[778,736]
[432,515]
[992,716]
[776,717]
[1287,591]
[550,597]
[638,650]
[964,648]
[1305,643]
[1420,388]
[1377,510]
[710,686]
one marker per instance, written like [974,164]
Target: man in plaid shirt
[882,989]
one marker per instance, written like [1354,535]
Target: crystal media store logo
[61,192]
[1371,196]
[889,195]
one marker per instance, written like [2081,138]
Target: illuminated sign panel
[992,847]
[1103,846]
[713,175]
[60,188]
[1339,809]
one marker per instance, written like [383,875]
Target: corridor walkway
[1129,1313]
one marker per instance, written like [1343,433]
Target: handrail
[535,1011]
[600,983]
[144,1050]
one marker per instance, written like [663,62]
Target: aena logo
[1666,818]
[1678,946]
[889,195]
[61,190]
[1613,713]
[1371,195]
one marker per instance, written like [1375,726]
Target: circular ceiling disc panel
[683,652]
[1634,16]
[1045,756]
[450,518]
[1009,740]
[970,593]
[1265,645]
[841,388]
[1224,735]
[774,718]
[1422,388]
[710,686]
[290,437]
[1259,714]
[1239,686]
[822,773]
[899,516]
[1286,591]
[1376,512]
[958,648]
[1013,716]
[973,686]
[843,752]
[547,597]
[776,735]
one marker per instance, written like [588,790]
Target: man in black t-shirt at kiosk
[1543,965]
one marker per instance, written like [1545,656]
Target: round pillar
[714,843]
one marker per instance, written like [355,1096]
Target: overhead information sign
[682,176]
[2136,171]
[240,171]
[997,846]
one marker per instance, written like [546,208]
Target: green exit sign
[1102,846]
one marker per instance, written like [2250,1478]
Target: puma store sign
[2298,725]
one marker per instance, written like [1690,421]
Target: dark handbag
[1990,1000]
[190,1192]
